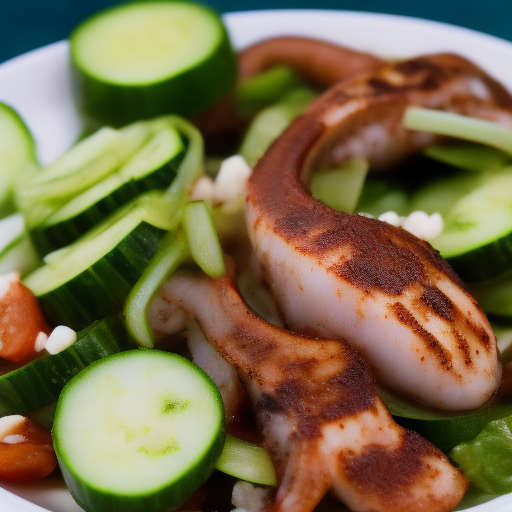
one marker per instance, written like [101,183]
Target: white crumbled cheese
[391,218]
[419,223]
[9,423]
[60,339]
[423,225]
[231,182]
[40,342]
[229,185]
[5,282]
[13,439]
[204,190]
[249,498]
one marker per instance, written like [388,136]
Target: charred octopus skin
[323,424]
[344,275]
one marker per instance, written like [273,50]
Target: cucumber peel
[17,151]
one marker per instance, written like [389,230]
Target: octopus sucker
[361,279]
[315,403]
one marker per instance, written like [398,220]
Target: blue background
[28,24]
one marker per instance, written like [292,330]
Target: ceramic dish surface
[38,86]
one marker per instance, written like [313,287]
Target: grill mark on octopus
[463,346]
[435,300]
[431,342]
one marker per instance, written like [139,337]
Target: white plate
[37,85]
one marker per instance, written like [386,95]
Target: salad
[152,215]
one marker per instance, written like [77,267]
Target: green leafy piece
[487,459]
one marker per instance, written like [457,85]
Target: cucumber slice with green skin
[139,431]
[246,461]
[172,252]
[40,382]
[477,235]
[153,167]
[84,281]
[87,163]
[137,61]
[202,238]
[17,149]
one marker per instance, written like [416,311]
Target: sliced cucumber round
[477,237]
[153,167]
[139,431]
[40,382]
[17,149]
[141,60]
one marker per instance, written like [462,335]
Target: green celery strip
[246,461]
[171,253]
[462,127]
[202,238]
[340,188]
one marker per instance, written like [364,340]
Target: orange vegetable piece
[21,320]
[26,453]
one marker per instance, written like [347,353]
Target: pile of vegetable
[97,232]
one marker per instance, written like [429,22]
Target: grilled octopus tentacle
[342,275]
[315,401]
[320,63]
